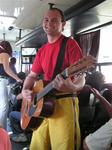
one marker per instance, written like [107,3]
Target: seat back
[86,110]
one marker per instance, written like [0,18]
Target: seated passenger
[101,139]
[18,135]
[14,104]
[102,115]
[14,114]
[96,80]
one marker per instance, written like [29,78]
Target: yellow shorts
[56,132]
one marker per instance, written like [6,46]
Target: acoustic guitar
[41,106]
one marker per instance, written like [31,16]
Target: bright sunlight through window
[105,52]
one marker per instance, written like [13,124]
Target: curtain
[89,43]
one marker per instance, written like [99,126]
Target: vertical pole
[21,58]
[4,36]
[20,33]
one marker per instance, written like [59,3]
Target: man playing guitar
[57,131]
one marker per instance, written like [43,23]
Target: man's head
[60,12]
[13,60]
[53,21]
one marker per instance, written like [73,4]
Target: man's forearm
[29,83]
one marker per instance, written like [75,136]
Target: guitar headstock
[82,65]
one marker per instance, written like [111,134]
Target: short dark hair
[96,79]
[13,60]
[61,13]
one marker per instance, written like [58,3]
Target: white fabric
[100,139]
[3,102]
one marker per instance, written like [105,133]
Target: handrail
[104,64]
[99,65]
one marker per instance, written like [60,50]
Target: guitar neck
[45,91]
[76,69]
[71,72]
[50,87]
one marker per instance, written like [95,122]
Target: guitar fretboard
[46,90]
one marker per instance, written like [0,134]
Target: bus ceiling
[84,15]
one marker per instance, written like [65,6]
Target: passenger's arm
[103,101]
[8,70]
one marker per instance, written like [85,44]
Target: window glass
[105,51]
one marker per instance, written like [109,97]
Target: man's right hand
[27,94]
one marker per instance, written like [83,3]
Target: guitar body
[32,114]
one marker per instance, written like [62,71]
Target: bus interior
[89,22]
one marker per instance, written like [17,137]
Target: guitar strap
[75,100]
[60,58]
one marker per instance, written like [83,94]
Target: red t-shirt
[46,57]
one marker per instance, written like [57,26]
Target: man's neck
[52,39]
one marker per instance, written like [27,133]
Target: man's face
[52,23]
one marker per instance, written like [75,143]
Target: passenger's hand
[19,96]
[27,95]
[96,93]
[19,80]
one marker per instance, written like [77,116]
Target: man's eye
[54,21]
[51,21]
[45,20]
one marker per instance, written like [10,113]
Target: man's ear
[63,24]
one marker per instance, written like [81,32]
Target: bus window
[28,55]
[105,51]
